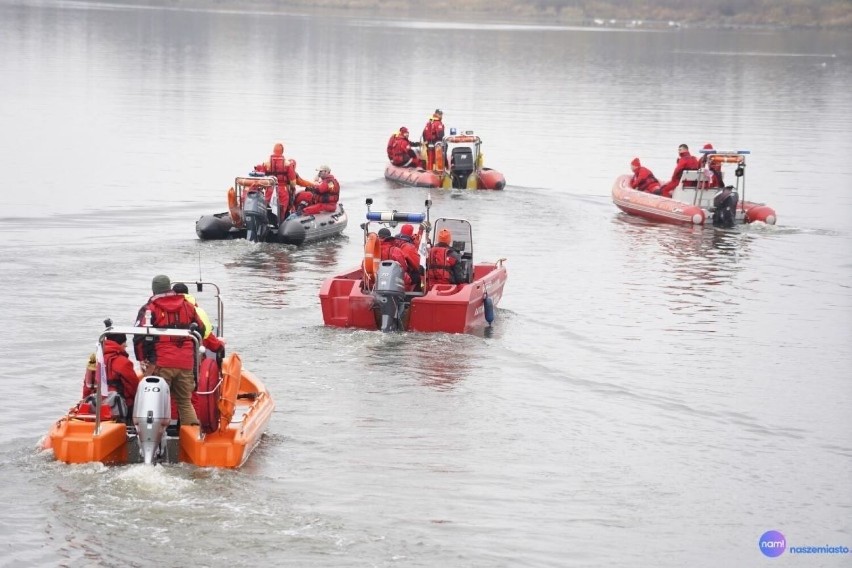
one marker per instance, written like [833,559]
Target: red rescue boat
[373,295]
[697,203]
[458,165]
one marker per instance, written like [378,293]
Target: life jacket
[114,381]
[400,151]
[392,146]
[434,130]
[441,266]
[173,311]
[647,182]
[281,168]
[332,195]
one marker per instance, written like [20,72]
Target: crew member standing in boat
[401,150]
[433,133]
[322,197]
[714,171]
[172,358]
[643,179]
[685,161]
[444,264]
[284,170]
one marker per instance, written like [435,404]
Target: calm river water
[648,395]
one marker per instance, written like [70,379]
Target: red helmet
[403,130]
[445,236]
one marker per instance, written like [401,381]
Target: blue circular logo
[772,544]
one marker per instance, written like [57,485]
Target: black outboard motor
[390,295]
[257,220]
[461,166]
[725,207]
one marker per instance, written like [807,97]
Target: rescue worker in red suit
[433,133]
[685,161]
[409,244]
[121,377]
[713,170]
[284,170]
[643,179]
[173,359]
[444,264]
[401,150]
[322,197]
[390,251]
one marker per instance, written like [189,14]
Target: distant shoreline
[737,14]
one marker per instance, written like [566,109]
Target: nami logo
[772,544]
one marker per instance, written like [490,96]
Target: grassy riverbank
[826,14]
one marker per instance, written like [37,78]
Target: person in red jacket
[284,169]
[323,196]
[685,161]
[444,263]
[714,171]
[390,251]
[121,377]
[408,244]
[401,150]
[173,359]
[643,179]
[433,133]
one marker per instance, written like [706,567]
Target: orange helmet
[278,149]
[444,236]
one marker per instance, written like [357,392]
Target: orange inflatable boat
[232,404]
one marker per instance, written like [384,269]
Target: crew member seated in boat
[685,161]
[643,179]
[408,244]
[322,197]
[284,170]
[433,133]
[401,150]
[391,251]
[121,377]
[713,171]
[444,265]
[173,359]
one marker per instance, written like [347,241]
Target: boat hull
[485,178]
[75,441]
[295,230]
[449,308]
[667,210]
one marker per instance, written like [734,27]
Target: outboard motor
[256,218]
[390,295]
[725,207]
[152,412]
[461,166]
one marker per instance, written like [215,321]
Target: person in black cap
[172,358]
[391,251]
[433,133]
